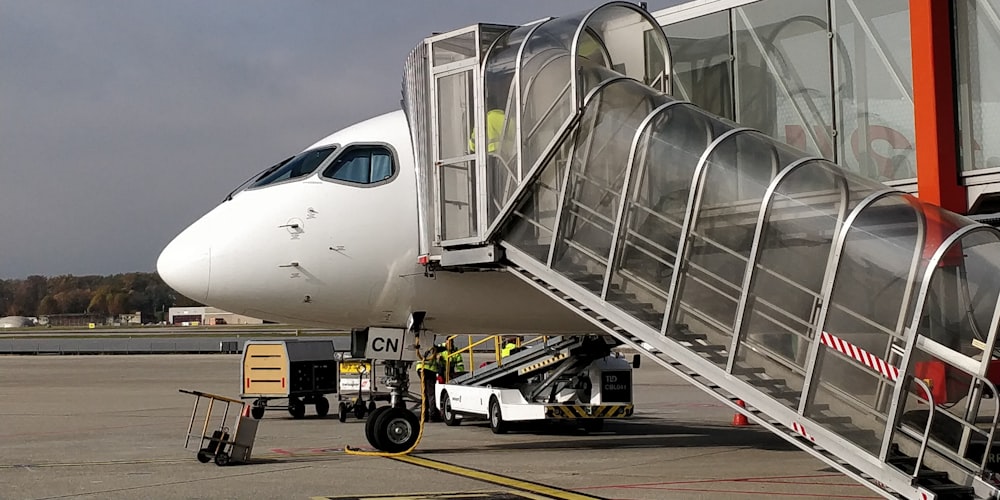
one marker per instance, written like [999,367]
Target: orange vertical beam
[934,105]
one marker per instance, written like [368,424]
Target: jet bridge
[855,321]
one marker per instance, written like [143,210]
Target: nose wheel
[393,428]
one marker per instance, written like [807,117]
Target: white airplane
[329,238]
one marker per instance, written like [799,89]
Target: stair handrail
[996,419]
[927,427]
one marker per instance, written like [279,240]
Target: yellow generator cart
[299,371]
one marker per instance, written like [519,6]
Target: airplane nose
[185,265]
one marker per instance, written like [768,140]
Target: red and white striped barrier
[797,427]
[878,365]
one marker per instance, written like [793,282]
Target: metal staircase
[854,321]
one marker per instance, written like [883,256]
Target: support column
[934,105]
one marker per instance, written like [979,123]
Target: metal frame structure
[860,431]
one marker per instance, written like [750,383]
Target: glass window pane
[455,114]
[977,27]
[454,49]
[783,72]
[381,166]
[303,164]
[353,166]
[875,89]
[702,62]
[362,165]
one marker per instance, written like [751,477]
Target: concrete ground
[114,426]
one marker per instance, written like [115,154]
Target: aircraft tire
[397,429]
[370,433]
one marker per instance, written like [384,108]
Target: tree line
[105,295]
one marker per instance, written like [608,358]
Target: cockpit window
[362,165]
[303,164]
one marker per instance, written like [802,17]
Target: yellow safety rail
[471,345]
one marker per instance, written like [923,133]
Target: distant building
[16,322]
[75,319]
[129,319]
[192,316]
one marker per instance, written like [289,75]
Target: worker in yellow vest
[452,361]
[509,344]
[495,119]
[428,368]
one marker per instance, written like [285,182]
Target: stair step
[767,382]
[952,491]
[833,419]
[747,370]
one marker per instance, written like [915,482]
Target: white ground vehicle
[576,380]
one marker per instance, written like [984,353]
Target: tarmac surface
[113,427]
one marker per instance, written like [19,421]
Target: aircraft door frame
[457,174]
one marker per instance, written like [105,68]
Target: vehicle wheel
[296,408]
[360,410]
[204,456]
[497,424]
[449,417]
[370,433]
[322,406]
[257,412]
[371,406]
[342,412]
[222,459]
[592,425]
[396,430]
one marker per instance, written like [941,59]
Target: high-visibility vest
[454,361]
[494,131]
[429,363]
[507,348]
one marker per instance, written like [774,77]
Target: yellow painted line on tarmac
[489,477]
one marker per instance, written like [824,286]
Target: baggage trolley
[226,439]
[361,372]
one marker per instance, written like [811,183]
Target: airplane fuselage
[316,251]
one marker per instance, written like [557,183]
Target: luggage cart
[216,441]
[299,371]
[359,372]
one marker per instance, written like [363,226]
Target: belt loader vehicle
[576,380]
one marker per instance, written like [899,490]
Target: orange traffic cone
[246,410]
[740,419]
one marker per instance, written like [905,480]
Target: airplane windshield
[303,164]
[258,176]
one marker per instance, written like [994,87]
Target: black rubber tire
[449,417]
[359,410]
[370,433]
[342,412]
[204,456]
[322,406]
[222,459]
[296,408]
[497,423]
[396,430]
[371,406]
[257,412]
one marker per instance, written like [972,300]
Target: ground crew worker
[510,343]
[452,360]
[428,368]
[494,131]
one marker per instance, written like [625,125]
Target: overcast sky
[121,122]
